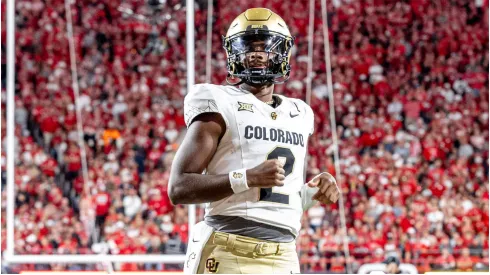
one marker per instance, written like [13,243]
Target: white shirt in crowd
[132,204]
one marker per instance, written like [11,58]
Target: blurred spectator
[445,261]
[102,201]
[132,203]
[465,261]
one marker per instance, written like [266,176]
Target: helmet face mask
[256,54]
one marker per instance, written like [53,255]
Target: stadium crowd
[411,104]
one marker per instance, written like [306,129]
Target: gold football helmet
[258,45]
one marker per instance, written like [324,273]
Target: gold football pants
[233,254]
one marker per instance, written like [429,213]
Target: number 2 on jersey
[287,158]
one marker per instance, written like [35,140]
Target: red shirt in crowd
[183,231]
[464,263]
[102,202]
[50,124]
[444,260]
[49,167]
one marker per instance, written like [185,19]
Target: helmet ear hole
[233,80]
[277,59]
[281,79]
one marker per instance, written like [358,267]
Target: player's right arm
[187,184]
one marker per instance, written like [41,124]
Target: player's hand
[328,191]
[267,174]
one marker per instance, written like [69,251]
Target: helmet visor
[251,42]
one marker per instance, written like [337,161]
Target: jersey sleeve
[311,118]
[200,100]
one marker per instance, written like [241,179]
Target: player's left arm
[323,187]
[328,192]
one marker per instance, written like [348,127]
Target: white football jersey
[256,132]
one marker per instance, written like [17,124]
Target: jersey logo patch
[212,265]
[237,175]
[273,115]
[245,107]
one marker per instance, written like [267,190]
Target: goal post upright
[10,126]
[190,29]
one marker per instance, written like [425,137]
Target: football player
[244,155]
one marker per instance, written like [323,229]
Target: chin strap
[230,78]
[277,80]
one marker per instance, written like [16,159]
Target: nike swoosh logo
[291,115]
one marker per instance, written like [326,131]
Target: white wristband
[238,180]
